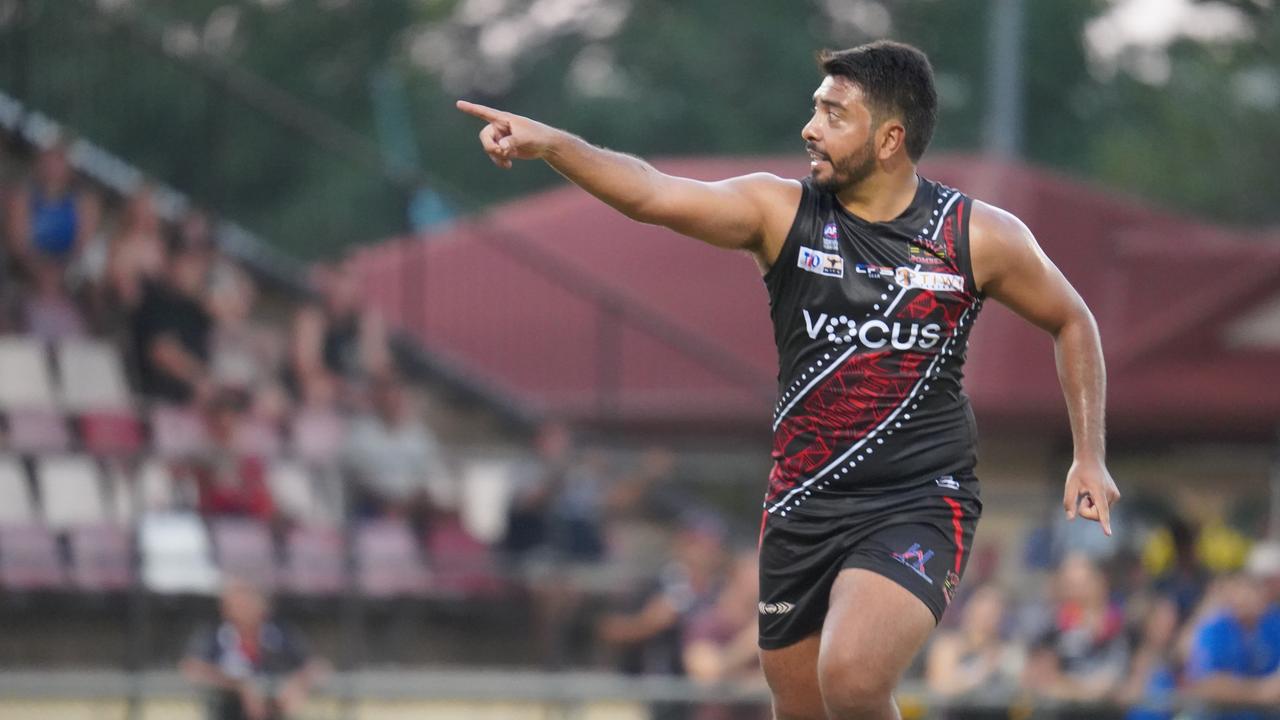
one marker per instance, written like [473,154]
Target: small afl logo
[830,237]
[776,608]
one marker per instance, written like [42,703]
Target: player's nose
[809,132]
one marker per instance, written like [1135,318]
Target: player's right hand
[509,137]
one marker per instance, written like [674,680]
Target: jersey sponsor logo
[830,237]
[932,281]
[875,272]
[924,257]
[924,245]
[947,481]
[873,333]
[821,263]
[776,608]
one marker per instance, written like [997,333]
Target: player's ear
[891,136]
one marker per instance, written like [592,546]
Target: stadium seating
[101,559]
[111,433]
[29,558]
[24,375]
[388,564]
[314,562]
[176,554]
[91,376]
[244,550]
[177,431]
[70,492]
[38,430]
[17,506]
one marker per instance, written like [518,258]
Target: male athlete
[875,276]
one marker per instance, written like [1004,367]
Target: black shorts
[918,536]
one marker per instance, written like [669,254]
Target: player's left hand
[1090,493]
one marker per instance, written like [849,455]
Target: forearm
[1082,373]
[1226,689]
[207,674]
[624,182]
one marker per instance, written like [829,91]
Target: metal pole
[1004,122]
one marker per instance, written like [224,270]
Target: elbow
[1079,321]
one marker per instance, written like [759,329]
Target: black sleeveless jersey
[871,321]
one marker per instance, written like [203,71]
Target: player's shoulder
[989,224]
[767,187]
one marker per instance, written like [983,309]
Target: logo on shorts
[915,558]
[830,237]
[776,608]
[821,263]
[947,481]
[949,585]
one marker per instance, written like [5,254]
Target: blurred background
[310,412]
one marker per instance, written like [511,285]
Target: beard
[849,170]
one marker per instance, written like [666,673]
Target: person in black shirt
[172,328]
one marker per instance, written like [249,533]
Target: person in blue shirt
[1235,653]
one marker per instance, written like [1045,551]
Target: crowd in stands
[183,315]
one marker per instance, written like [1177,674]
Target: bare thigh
[873,629]
[792,673]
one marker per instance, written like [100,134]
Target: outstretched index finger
[483,112]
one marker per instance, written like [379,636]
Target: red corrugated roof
[523,296]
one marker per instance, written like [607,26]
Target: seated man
[252,667]
[1235,652]
[172,330]
[394,460]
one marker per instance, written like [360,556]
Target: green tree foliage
[654,77]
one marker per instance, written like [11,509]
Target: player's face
[840,136]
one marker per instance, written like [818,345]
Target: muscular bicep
[750,212]
[1010,266]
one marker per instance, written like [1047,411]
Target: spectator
[1081,657]
[1235,650]
[172,330]
[50,221]
[559,500]
[229,481]
[1149,689]
[336,344]
[720,641]
[137,253]
[394,460]
[974,658]
[252,667]
[651,635]
[243,355]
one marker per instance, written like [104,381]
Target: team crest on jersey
[830,237]
[821,263]
[933,281]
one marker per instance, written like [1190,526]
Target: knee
[855,691]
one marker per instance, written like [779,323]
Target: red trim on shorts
[956,515]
